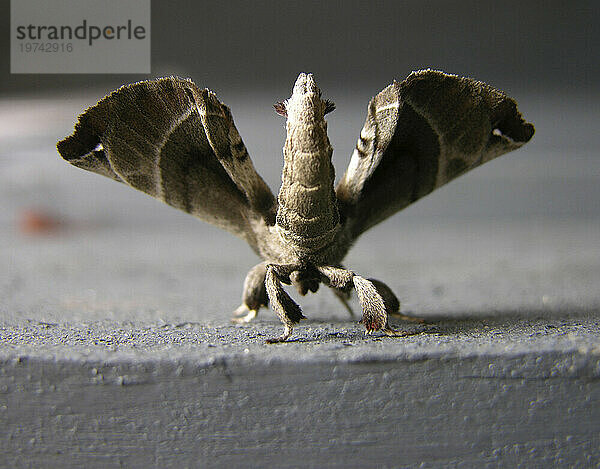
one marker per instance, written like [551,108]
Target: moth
[178,143]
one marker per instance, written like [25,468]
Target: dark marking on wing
[241,149]
[399,181]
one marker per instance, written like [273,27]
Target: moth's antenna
[329,106]
[280,108]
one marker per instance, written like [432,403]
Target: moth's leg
[308,279]
[305,280]
[374,303]
[254,295]
[288,311]
[344,294]
[392,304]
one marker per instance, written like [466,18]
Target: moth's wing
[178,143]
[421,134]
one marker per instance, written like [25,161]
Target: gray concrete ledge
[466,392]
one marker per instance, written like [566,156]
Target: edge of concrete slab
[503,392]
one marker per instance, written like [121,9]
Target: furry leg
[375,297]
[288,311]
[254,295]
[373,305]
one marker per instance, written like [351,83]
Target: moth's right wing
[178,143]
[419,135]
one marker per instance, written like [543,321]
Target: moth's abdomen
[308,215]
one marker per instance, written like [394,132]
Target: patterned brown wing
[421,134]
[178,143]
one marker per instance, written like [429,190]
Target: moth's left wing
[178,143]
[419,135]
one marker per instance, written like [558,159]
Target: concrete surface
[116,351]
[116,348]
[234,410]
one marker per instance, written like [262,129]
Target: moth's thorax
[307,217]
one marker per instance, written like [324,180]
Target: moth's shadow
[505,319]
[447,325]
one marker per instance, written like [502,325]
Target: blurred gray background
[239,46]
[531,206]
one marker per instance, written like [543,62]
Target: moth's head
[305,104]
